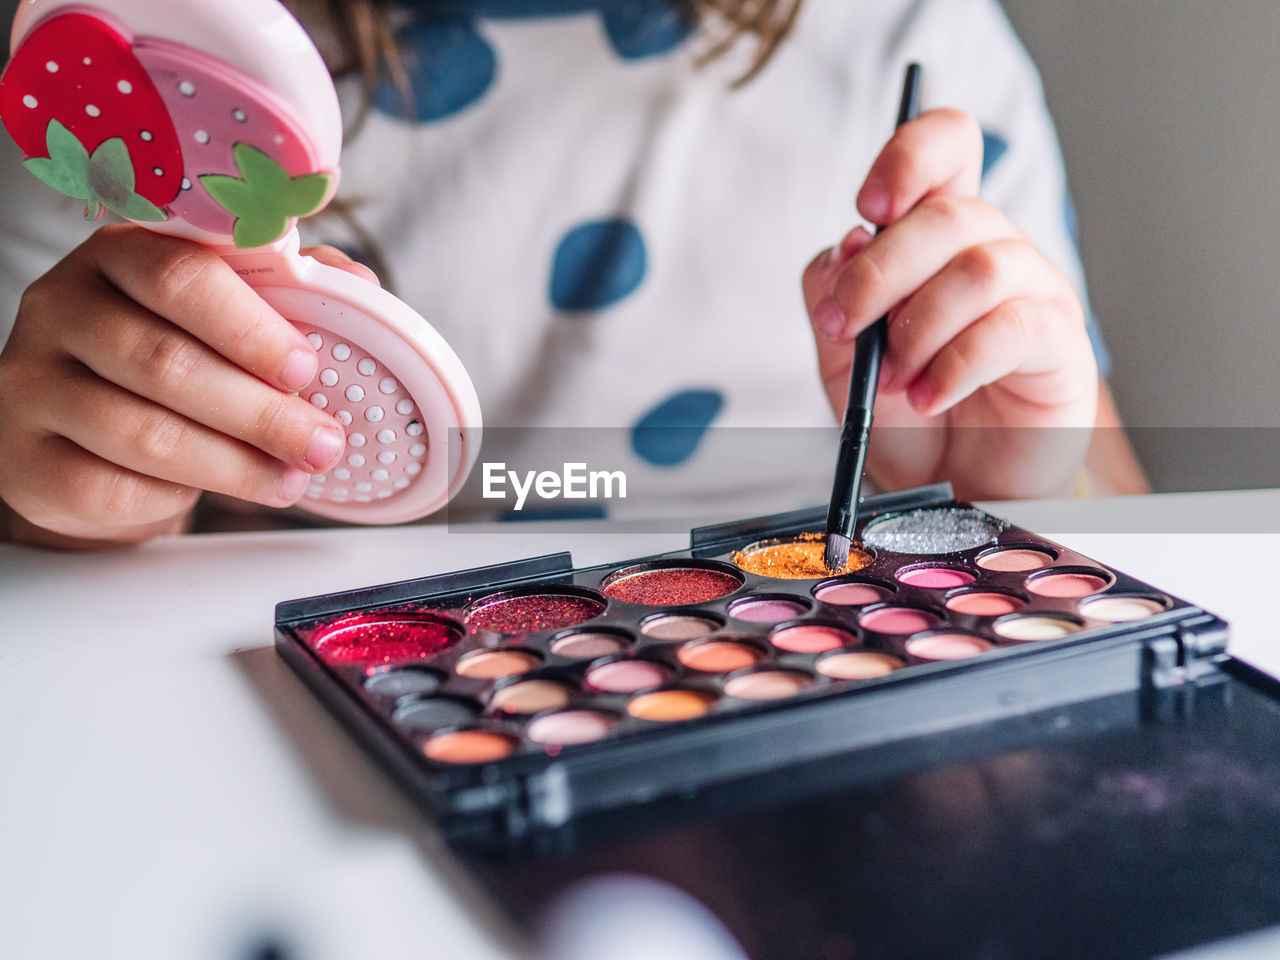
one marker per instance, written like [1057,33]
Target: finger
[145,438]
[196,290]
[94,498]
[154,359]
[939,153]
[971,285]
[333,257]
[1020,340]
[900,259]
[820,275]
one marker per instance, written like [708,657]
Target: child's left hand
[984,332]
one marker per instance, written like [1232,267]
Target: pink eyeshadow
[766,611]
[898,620]
[935,578]
[852,594]
[1015,561]
[984,604]
[811,638]
[1063,585]
[947,646]
[628,676]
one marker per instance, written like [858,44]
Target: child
[610,233]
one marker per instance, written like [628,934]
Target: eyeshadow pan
[858,665]
[811,638]
[571,726]
[1121,609]
[935,578]
[851,594]
[400,683]
[719,656]
[531,612]
[588,646]
[678,627]
[531,696]
[669,706]
[671,586]
[931,531]
[435,712]
[369,640]
[984,604]
[1015,560]
[767,684]
[766,610]
[470,746]
[1067,585]
[800,559]
[629,676]
[492,664]
[1035,628]
[898,620]
[947,646]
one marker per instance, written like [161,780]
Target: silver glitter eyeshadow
[932,531]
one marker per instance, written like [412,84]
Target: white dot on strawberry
[30,101]
[238,115]
[187,88]
[157,171]
[86,61]
[124,86]
[92,111]
[145,135]
[186,184]
[201,136]
[51,67]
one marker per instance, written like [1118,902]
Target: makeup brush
[842,515]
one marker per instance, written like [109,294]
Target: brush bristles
[836,555]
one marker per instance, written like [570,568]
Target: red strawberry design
[81,106]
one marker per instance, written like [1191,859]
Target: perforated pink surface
[386,439]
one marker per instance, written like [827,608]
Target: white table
[170,790]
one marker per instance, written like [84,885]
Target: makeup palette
[524,694]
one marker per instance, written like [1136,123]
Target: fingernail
[920,395]
[886,373]
[299,369]
[293,485]
[873,202]
[855,240]
[828,317]
[324,446]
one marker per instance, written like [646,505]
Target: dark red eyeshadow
[374,639]
[536,611]
[672,586]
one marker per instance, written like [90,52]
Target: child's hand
[984,332]
[140,371]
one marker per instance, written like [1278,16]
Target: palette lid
[216,121]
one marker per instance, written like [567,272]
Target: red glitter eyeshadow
[535,611]
[375,639]
[672,586]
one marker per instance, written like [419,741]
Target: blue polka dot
[450,67]
[585,511]
[993,148]
[669,433]
[646,28]
[596,264]
[1069,217]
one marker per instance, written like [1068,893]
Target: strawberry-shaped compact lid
[214,120]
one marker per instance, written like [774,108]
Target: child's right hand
[141,370]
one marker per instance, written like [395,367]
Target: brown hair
[368,43]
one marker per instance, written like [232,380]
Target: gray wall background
[1169,116]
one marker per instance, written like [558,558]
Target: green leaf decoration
[266,198]
[105,179]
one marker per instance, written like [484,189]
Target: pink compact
[216,120]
